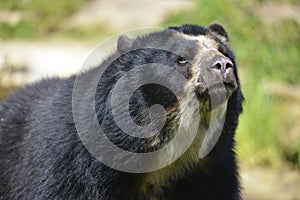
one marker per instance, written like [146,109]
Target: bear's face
[211,71]
[202,55]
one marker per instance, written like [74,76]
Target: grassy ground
[45,13]
[265,53]
[40,19]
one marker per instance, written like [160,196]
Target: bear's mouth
[217,94]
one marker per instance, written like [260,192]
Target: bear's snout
[222,65]
[215,77]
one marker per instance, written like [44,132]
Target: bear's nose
[222,65]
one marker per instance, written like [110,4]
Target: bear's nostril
[229,65]
[218,66]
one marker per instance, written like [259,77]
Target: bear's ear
[124,43]
[219,29]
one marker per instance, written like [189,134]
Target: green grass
[265,53]
[40,19]
[47,20]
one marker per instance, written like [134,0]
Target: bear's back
[20,115]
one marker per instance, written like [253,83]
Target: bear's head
[202,55]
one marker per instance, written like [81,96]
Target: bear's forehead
[202,41]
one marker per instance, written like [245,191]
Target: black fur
[42,157]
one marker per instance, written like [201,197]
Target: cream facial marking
[202,41]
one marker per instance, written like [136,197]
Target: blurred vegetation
[5,91]
[39,18]
[11,77]
[265,53]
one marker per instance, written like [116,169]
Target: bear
[186,73]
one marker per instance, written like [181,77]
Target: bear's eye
[181,60]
